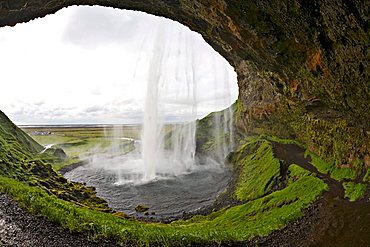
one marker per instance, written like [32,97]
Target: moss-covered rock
[259,170]
[141,208]
[354,191]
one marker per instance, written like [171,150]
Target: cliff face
[302,65]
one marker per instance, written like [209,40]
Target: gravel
[19,228]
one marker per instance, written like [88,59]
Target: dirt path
[331,221]
[20,228]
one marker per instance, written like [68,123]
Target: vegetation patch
[208,140]
[367,176]
[36,187]
[324,167]
[24,163]
[260,171]
[255,218]
[79,147]
[341,174]
[321,165]
[354,191]
[282,140]
[264,215]
[296,172]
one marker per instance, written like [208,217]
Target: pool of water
[166,196]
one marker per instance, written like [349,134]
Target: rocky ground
[20,228]
[331,221]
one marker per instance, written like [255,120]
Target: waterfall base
[168,194]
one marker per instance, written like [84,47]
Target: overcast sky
[90,65]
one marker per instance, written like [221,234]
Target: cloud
[94,109]
[96,91]
[95,62]
[90,27]
[39,103]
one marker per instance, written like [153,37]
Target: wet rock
[141,208]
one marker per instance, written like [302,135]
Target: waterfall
[174,73]
[151,138]
[178,156]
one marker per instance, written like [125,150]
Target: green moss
[17,161]
[321,165]
[14,136]
[354,191]
[335,140]
[75,207]
[341,174]
[296,172]
[367,176]
[141,208]
[264,215]
[260,171]
[283,140]
[256,218]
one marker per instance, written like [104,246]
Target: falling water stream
[164,171]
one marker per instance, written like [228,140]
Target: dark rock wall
[303,66]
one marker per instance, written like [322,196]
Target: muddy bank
[330,221]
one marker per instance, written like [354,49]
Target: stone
[141,208]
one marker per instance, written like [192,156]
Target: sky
[91,65]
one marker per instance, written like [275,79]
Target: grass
[264,215]
[354,191]
[260,170]
[24,164]
[283,141]
[81,143]
[341,174]
[321,165]
[367,176]
[324,167]
[256,218]
[296,172]
[36,187]
[12,135]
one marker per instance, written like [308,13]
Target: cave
[290,58]
[301,69]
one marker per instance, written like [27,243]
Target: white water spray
[174,98]
[178,155]
[184,82]
[152,148]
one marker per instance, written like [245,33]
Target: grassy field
[82,142]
